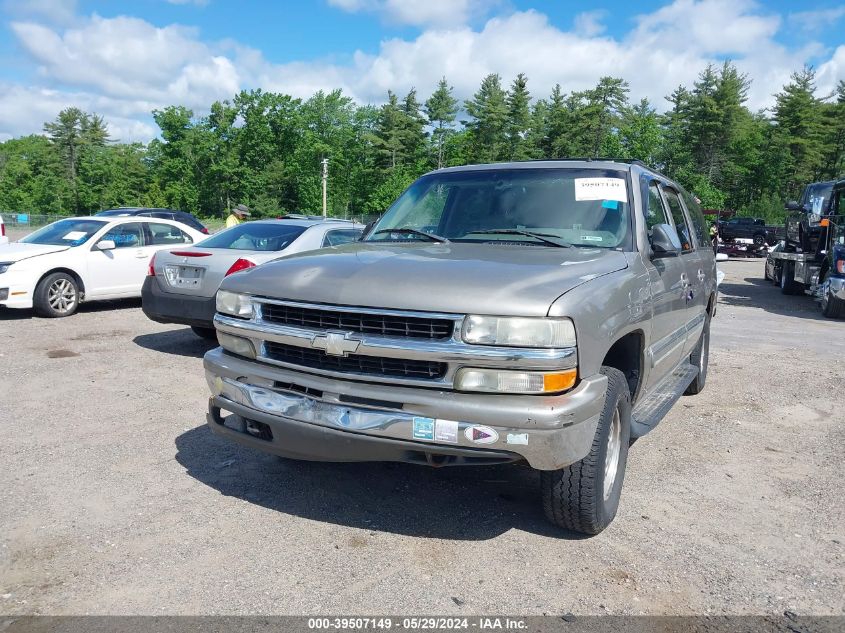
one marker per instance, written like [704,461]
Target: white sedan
[70,261]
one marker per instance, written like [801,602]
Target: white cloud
[130,58]
[24,110]
[50,11]
[440,13]
[817,20]
[124,67]
[589,23]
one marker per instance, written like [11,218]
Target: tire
[759,240]
[208,333]
[832,307]
[576,497]
[56,296]
[700,358]
[788,285]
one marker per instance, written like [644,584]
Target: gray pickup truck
[543,312]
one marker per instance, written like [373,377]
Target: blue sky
[123,59]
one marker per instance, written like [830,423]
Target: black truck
[753,229]
[818,270]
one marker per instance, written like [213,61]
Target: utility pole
[325,175]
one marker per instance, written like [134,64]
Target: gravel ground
[116,499]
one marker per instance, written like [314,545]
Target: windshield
[65,232]
[816,196]
[255,236]
[576,207]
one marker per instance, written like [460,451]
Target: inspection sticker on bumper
[424,429]
[446,431]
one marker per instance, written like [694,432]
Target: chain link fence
[25,221]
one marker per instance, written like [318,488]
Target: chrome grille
[362,322]
[358,364]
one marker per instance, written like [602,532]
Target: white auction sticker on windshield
[74,235]
[601,189]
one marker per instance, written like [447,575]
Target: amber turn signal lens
[560,381]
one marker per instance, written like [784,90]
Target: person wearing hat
[237,215]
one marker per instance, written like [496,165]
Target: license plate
[183,276]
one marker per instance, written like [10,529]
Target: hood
[458,277]
[16,251]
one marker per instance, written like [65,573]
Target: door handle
[141,254]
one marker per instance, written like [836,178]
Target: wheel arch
[627,354]
[68,271]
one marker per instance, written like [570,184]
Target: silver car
[181,283]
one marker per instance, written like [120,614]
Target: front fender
[604,310]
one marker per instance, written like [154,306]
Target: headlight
[4,266]
[528,382]
[234,303]
[519,331]
[236,344]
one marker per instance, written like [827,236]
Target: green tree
[797,114]
[441,109]
[518,101]
[639,132]
[488,111]
[72,133]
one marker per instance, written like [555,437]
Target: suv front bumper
[305,416]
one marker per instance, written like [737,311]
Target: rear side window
[255,236]
[655,211]
[680,219]
[167,234]
[341,236]
[699,224]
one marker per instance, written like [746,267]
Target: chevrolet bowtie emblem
[336,343]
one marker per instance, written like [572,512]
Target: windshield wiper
[407,229]
[543,237]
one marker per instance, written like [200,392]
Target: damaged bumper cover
[312,417]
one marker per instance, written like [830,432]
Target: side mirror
[665,241]
[105,245]
[792,205]
[721,257]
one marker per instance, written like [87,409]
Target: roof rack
[589,159]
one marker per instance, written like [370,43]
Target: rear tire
[759,240]
[832,307]
[56,296]
[700,357]
[788,285]
[208,333]
[584,496]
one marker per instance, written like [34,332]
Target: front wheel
[56,295]
[584,496]
[759,240]
[832,306]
